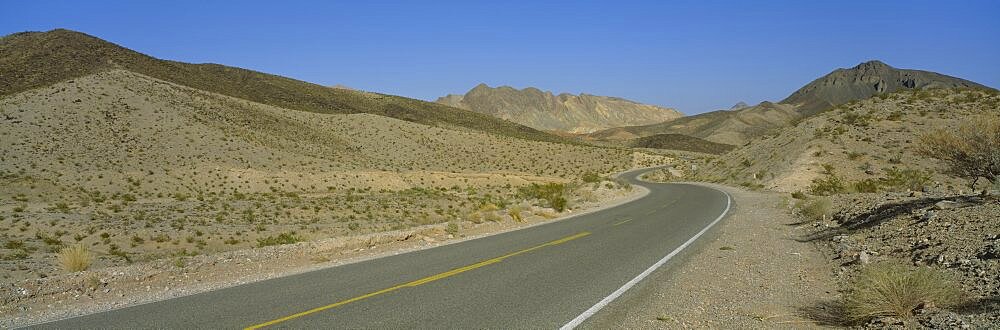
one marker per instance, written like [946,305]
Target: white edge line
[614,295]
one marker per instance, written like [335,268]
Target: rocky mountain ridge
[543,110]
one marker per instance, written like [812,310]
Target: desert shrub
[972,152]
[60,207]
[866,186]
[815,209]
[751,185]
[828,169]
[452,228]
[891,289]
[622,184]
[281,239]
[905,179]
[855,119]
[475,217]
[515,213]
[827,185]
[799,195]
[75,258]
[552,193]
[180,197]
[492,216]
[591,177]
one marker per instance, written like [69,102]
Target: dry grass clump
[892,289]
[815,209]
[75,258]
[515,212]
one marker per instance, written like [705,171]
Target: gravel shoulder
[749,272]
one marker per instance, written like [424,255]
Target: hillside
[36,59]
[872,139]
[838,87]
[542,110]
[680,142]
[726,127]
[138,168]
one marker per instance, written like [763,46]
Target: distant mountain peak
[873,64]
[866,80]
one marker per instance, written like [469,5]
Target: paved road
[541,277]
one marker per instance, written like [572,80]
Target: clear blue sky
[692,55]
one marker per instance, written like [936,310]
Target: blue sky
[695,56]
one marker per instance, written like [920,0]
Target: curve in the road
[547,276]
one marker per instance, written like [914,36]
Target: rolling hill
[141,159]
[35,59]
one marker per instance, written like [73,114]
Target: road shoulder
[749,272]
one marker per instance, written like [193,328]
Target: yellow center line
[622,222]
[424,280]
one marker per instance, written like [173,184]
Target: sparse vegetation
[905,179]
[971,152]
[551,193]
[75,258]
[892,289]
[827,185]
[280,239]
[866,186]
[816,209]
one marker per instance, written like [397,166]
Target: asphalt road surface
[550,276]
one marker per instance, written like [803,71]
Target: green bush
[891,289]
[866,186]
[591,177]
[905,179]
[552,193]
[281,239]
[828,185]
[452,229]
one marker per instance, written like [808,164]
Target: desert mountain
[840,86]
[35,59]
[542,110]
[866,80]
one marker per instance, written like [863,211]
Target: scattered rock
[945,205]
